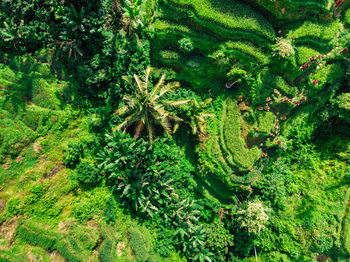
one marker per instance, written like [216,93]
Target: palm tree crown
[147,108]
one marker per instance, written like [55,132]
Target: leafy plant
[197,114]
[132,13]
[186,45]
[253,217]
[87,174]
[147,108]
[73,153]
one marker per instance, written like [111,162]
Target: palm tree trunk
[256,255]
[138,129]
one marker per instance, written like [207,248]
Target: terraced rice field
[209,25]
[232,161]
[315,35]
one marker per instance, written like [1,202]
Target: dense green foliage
[246,160]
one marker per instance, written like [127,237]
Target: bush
[73,153]
[87,174]
[83,210]
[186,45]
[13,206]
[283,47]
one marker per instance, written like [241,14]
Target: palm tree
[197,115]
[148,108]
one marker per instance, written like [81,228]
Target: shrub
[186,45]
[87,174]
[73,153]
[13,206]
[83,210]
[169,55]
[283,47]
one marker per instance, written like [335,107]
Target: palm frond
[128,121]
[157,86]
[139,84]
[148,71]
[170,87]
[176,103]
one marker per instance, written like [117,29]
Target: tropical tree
[197,115]
[147,108]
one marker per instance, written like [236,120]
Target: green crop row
[216,156]
[229,14]
[245,51]
[346,224]
[68,248]
[271,81]
[139,244]
[76,246]
[322,4]
[86,238]
[347,18]
[317,31]
[266,122]
[8,256]
[169,34]
[243,157]
[304,53]
[189,19]
[107,251]
[248,178]
[37,236]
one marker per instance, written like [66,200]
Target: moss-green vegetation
[265,174]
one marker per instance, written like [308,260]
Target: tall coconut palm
[147,107]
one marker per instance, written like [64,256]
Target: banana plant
[132,13]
